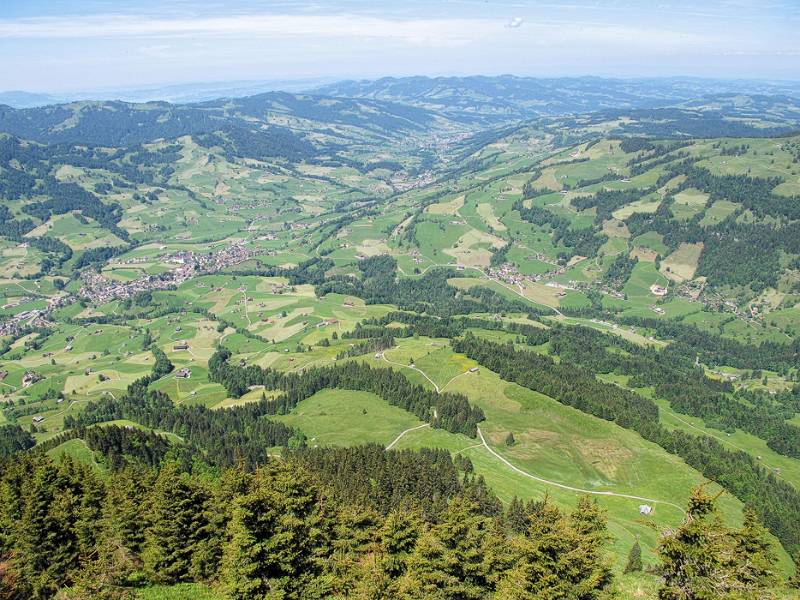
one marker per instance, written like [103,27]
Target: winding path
[568,487]
[452,380]
[409,430]
[413,368]
[517,469]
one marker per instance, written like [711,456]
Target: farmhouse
[38,419]
[30,377]
[657,290]
[181,346]
[3,375]
[183,373]
[645,509]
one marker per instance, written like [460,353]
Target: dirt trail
[410,429]
[568,487]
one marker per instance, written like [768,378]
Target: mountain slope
[117,123]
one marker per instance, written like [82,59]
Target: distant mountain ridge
[507,97]
[176,93]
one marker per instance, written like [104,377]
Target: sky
[70,45]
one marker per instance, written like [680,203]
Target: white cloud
[430,31]
[442,32]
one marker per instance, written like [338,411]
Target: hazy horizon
[50,45]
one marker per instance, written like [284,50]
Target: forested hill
[116,123]
[506,98]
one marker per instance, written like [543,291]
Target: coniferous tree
[560,556]
[398,538]
[125,507]
[47,544]
[704,559]
[516,516]
[634,563]
[454,558]
[269,553]
[176,522]
[754,557]
[106,576]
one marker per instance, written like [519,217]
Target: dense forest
[297,529]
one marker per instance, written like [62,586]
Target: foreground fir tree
[705,559]
[272,534]
[177,522]
[455,558]
[560,556]
[50,523]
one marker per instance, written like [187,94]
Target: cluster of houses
[188,264]
[32,318]
[509,273]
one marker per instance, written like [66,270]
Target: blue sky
[68,45]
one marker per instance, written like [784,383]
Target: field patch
[688,203]
[616,229]
[450,207]
[719,211]
[486,212]
[645,205]
[372,248]
[473,249]
[346,417]
[682,264]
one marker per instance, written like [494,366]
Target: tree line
[448,411]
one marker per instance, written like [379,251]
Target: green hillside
[404,303]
